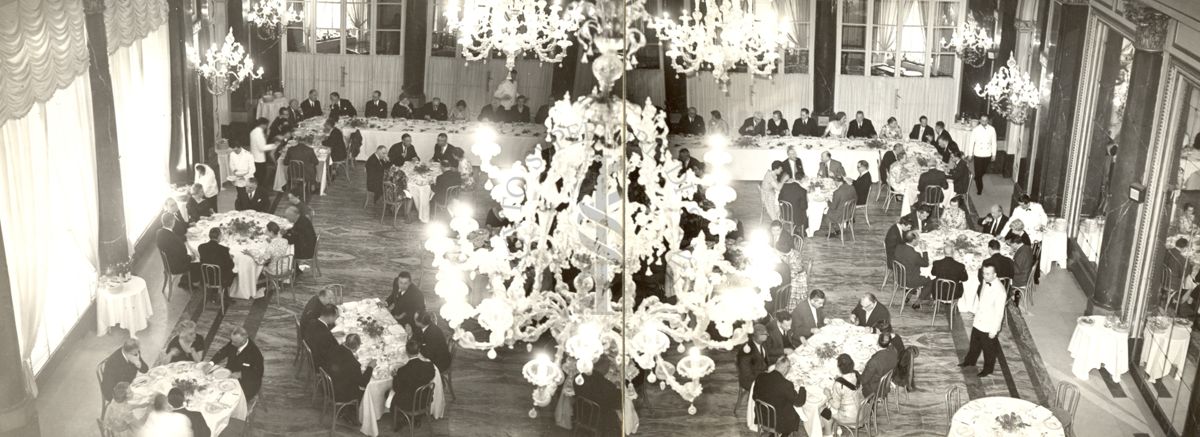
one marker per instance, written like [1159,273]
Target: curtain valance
[43,48]
[128,21]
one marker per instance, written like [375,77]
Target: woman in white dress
[770,190]
[506,93]
[207,179]
[837,126]
[277,248]
[844,397]
[717,125]
[165,422]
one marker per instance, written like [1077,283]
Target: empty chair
[1066,401]
[394,199]
[954,399]
[943,293]
[170,279]
[284,275]
[586,417]
[900,281]
[210,280]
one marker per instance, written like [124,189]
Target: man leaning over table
[243,358]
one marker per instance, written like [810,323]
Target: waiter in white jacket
[259,148]
[981,147]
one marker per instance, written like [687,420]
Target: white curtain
[48,216]
[42,49]
[141,79]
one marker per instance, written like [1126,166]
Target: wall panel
[354,77]
[453,79]
[905,99]
[747,93]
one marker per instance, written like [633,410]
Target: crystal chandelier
[607,205]
[512,27]
[971,42]
[225,69]
[723,37]
[270,17]
[1011,92]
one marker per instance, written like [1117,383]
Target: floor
[493,398]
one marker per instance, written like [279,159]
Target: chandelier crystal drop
[271,17]
[224,69]
[721,38]
[1011,92]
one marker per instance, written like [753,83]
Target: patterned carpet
[492,397]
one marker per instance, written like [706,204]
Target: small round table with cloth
[123,303]
[242,231]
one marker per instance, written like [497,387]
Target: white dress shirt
[241,167]
[259,146]
[208,181]
[989,312]
[983,142]
[718,127]
[1033,219]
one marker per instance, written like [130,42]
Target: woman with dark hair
[777,126]
[717,125]
[769,190]
[460,112]
[891,130]
[844,397]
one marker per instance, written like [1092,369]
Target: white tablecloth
[972,259]
[223,164]
[1054,244]
[217,405]
[322,169]
[1094,345]
[1166,346]
[751,163]
[126,304]
[516,140]
[961,133]
[910,195]
[977,418]
[270,110]
[247,269]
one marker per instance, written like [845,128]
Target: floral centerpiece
[356,122]
[188,386]
[971,42]
[819,189]
[421,169]
[909,169]
[243,229]
[370,327]
[1011,92]
[954,218]
[876,143]
[1011,422]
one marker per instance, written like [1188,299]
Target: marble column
[1113,273]
[1054,136]
[114,247]
[18,409]
[183,135]
[416,31]
[824,56]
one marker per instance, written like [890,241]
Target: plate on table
[140,381]
[159,372]
[215,408]
[227,385]
[1086,320]
[221,373]
[1053,424]
[964,431]
[181,365]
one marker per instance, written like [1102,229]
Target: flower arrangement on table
[1011,422]
[243,229]
[306,137]
[370,327]
[971,42]
[422,174]
[357,122]
[814,364]
[909,169]
[819,189]
[421,169]
[954,218]
[188,386]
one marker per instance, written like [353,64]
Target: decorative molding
[46,52]
[1025,26]
[91,7]
[1073,2]
[1085,108]
[1151,25]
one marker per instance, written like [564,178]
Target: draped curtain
[794,15]
[42,49]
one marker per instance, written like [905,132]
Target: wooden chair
[847,222]
[933,196]
[741,399]
[943,293]
[797,244]
[586,418]
[954,399]
[881,396]
[862,422]
[1064,404]
[100,380]
[346,164]
[210,279]
[394,199]
[900,282]
[284,276]
[764,418]
[316,259]
[331,402]
[297,176]
[170,279]
[787,216]
[301,348]
[887,274]
[339,293]
[892,195]
[422,406]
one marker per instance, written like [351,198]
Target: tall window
[795,16]
[443,41]
[903,37]
[360,27]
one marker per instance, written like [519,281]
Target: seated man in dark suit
[312,309]
[691,123]
[308,158]
[688,162]
[375,107]
[311,107]
[895,236]
[868,312]
[809,317]
[252,198]
[922,131]
[862,185]
[919,217]
[319,335]
[445,153]
[435,110]
[860,127]
[774,389]
[1176,265]
[933,177]
[950,269]
[176,398]
[779,338]
[179,256]
[335,140]
[213,252]
[754,126]
[433,341]
[752,357]
[199,206]
[880,364]
[994,222]
[1004,265]
[889,158]
[520,112]
[340,108]
[301,235]
[912,261]
[403,151]
[493,112]
[449,178]
[794,194]
[415,374]
[598,388]
[939,132]
[242,357]
[349,378]
[402,108]
[836,215]
[946,147]
[406,300]
[123,365]
[805,126]
[1023,262]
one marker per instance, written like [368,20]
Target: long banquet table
[516,140]
[752,156]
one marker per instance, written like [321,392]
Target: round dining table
[213,391]
[242,248]
[987,417]
[123,303]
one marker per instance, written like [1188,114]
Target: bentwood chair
[786,216]
[1066,401]
[900,283]
[764,418]
[100,379]
[892,195]
[954,399]
[252,411]
[798,245]
[586,420]
[284,276]
[887,274]
[299,360]
[422,406]
[211,280]
[862,422]
[933,196]
[846,222]
[339,293]
[911,354]
[331,403]
[170,279]
[741,398]
[943,294]
[393,199]
[865,208]
[448,375]
[297,178]
[452,194]
[881,397]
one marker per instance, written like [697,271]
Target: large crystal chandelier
[512,27]
[725,35]
[606,206]
[971,42]
[1011,92]
[224,69]
[270,17]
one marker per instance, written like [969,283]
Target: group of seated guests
[774,338]
[385,166]
[807,126]
[783,187]
[409,107]
[167,415]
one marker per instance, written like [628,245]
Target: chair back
[933,194]
[296,171]
[284,267]
[954,399]
[848,211]
[901,273]
[786,214]
[587,415]
[326,384]
[422,400]
[1066,398]
[452,193]
[798,244]
[210,276]
[943,289]
[100,380]
[166,265]
[913,353]
[339,293]
[885,384]
[764,417]
[312,361]
[1171,281]
[391,193]
[299,330]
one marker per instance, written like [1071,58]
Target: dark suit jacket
[787,168]
[862,188]
[448,154]
[311,311]
[375,170]
[879,313]
[320,340]
[435,112]
[305,154]
[750,364]
[692,164]
[695,126]
[890,241]
[961,176]
[197,210]
[249,362]
[1023,261]
[492,114]
[415,374]
[923,134]
[912,262]
[777,129]
[303,237]
[931,177]
[175,248]
[795,194]
[404,306]
[1005,268]
[844,193]
[311,108]
[213,252]
[117,370]
[995,226]
[938,136]
[920,225]
[434,346]
[343,108]
[777,341]
[441,186]
[864,130]
[951,147]
[775,390]
[336,142]
[400,153]
[347,374]
[376,108]
[881,363]
[543,112]
[607,397]
[199,426]
[888,159]
[803,322]
[258,201]
[401,111]
[808,128]
[1012,236]
[279,127]
[949,268]
[519,114]
[750,128]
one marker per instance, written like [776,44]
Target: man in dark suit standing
[878,365]
[319,335]
[1005,268]
[339,107]
[779,336]
[868,312]
[406,300]
[402,108]
[774,389]
[435,110]
[520,112]
[122,365]
[794,194]
[687,162]
[446,153]
[213,252]
[912,261]
[433,341]
[895,236]
[922,131]
[415,374]
[376,107]
[403,151]
[301,235]
[752,357]
[754,126]
[349,378]
[947,268]
[692,124]
[994,222]
[792,166]
[860,127]
[808,318]
[243,358]
[960,174]
[253,198]
[176,399]
[896,154]
[311,107]
[179,257]
[805,126]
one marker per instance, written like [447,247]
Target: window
[795,17]
[360,27]
[443,41]
[903,37]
